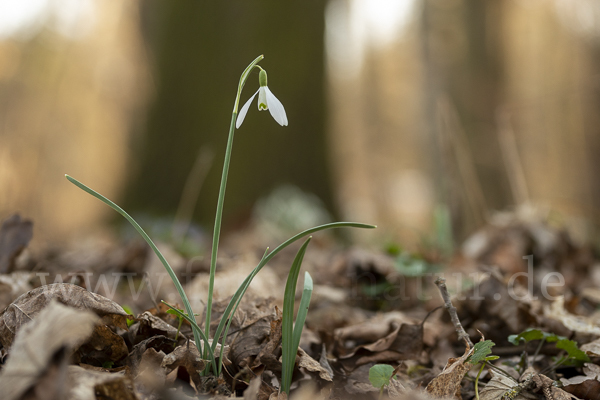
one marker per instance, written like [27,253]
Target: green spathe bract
[200,336]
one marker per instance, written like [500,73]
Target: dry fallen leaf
[28,305]
[103,346]
[56,327]
[149,325]
[310,364]
[251,393]
[158,343]
[93,385]
[150,374]
[572,322]
[401,339]
[545,385]
[250,329]
[585,386]
[499,385]
[592,349]
[188,357]
[269,353]
[447,383]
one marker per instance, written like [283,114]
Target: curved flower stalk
[266,101]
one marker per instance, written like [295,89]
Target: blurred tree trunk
[463,62]
[201,48]
[551,96]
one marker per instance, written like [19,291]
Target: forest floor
[85,320]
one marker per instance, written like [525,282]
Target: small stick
[462,334]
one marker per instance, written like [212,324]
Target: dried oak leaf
[29,304]
[56,327]
[15,235]
[447,383]
[585,386]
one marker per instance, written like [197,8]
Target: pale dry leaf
[575,323]
[150,372]
[29,304]
[251,392]
[395,389]
[93,385]
[310,364]
[592,349]
[499,385]
[56,327]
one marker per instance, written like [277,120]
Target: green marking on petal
[263,106]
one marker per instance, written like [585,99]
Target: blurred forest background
[424,117]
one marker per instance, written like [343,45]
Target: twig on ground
[462,334]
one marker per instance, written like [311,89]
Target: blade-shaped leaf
[184,298]
[287,326]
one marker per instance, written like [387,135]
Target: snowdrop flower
[266,101]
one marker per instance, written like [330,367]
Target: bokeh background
[425,117]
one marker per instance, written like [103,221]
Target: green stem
[221,200]
[477,381]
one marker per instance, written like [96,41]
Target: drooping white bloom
[266,101]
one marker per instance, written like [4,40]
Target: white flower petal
[262,98]
[276,108]
[244,111]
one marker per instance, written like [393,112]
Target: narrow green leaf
[234,302]
[163,260]
[380,375]
[288,355]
